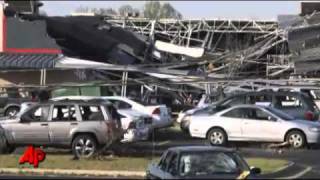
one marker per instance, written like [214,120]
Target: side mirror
[255,170]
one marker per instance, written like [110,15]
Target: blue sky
[192,9]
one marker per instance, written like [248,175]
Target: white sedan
[254,123]
[159,113]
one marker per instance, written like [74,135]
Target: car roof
[86,102]
[269,92]
[264,93]
[182,149]
[248,106]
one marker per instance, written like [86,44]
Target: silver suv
[83,126]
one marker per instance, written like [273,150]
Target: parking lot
[157,91]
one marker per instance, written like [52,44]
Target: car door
[270,127]
[259,125]
[63,118]
[35,130]
[231,121]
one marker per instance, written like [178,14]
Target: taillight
[309,115]
[132,125]
[156,111]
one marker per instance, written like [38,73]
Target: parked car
[254,123]
[81,126]
[200,162]
[298,105]
[10,103]
[311,91]
[159,113]
[137,125]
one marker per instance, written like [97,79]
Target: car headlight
[315,129]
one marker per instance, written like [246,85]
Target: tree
[104,11]
[124,10]
[154,9]
[82,9]
[167,11]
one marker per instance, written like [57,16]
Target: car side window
[235,113]
[39,113]
[91,113]
[288,102]
[64,113]
[262,99]
[257,114]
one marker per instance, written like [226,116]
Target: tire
[11,111]
[84,146]
[217,137]
[296,139]
[3,145]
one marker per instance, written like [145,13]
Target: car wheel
[84,146]
[217,137]
[11,111]
[3,145]
[10,149]
[296,139]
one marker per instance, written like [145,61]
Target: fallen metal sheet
[175,49]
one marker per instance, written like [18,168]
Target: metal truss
[179,31]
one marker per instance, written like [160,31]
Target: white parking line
[162,143]
[307,169]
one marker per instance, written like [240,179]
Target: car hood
[131,113]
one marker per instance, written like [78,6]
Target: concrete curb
[73,172]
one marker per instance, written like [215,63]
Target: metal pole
[44,77]
[125,84]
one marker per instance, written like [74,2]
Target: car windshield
[211,163]
[280,114]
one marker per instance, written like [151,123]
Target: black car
[201,162]
[10,102]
